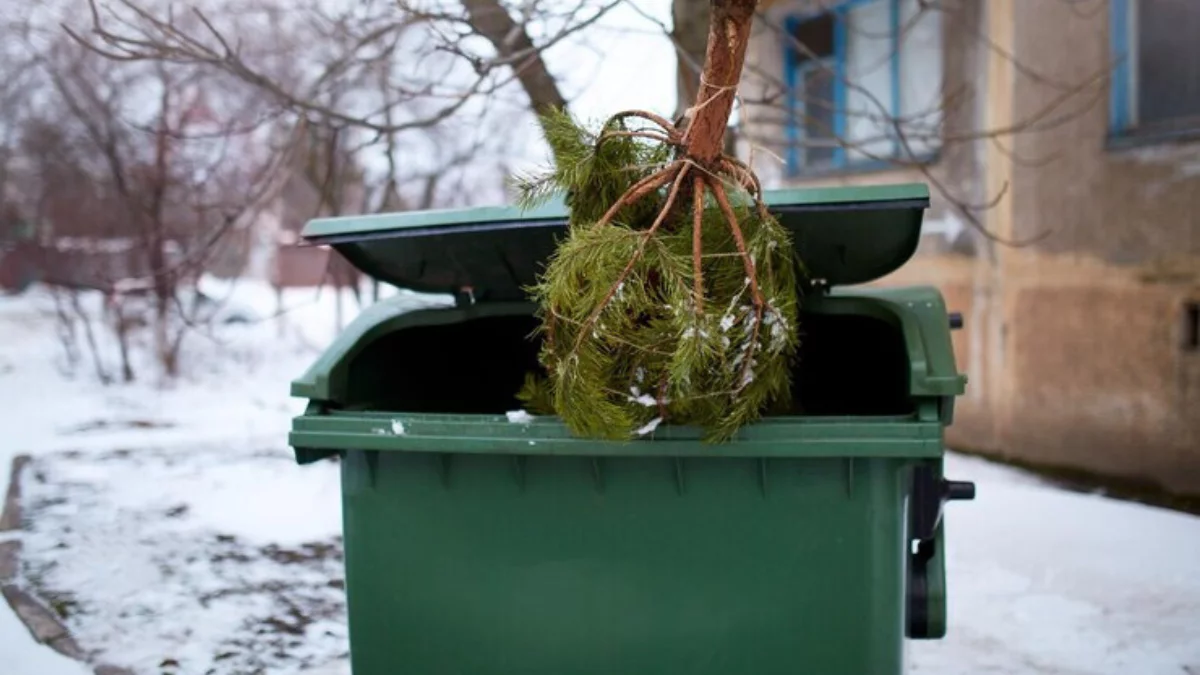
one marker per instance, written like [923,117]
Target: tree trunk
[728,36]
[123,344]
[491,20]
[163,289]
[101,371]
[689,32]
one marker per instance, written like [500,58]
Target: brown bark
[728,35]
[698,245]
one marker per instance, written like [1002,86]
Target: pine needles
[673,297]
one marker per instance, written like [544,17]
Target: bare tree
[491,43]
[138,176]
[139,168]
[17,81]
[442,58]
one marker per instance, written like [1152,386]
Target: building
[1070,127]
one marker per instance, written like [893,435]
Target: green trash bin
[482,543]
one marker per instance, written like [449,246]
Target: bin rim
[777,437]
[843,235]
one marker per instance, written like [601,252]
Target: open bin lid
[843,235]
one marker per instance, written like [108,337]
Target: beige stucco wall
[1100,377]
[1073,345]
[1073,362]
[1133,206]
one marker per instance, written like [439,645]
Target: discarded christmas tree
[673,298]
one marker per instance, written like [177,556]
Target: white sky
[623,61]
[637,69]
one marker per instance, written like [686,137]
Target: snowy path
[1041,580]
[1047,581]
[234,391]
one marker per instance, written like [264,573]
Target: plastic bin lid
[844,236]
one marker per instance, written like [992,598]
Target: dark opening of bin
[847,365]
[850,365]
[473,367]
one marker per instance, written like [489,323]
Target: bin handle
[926,611]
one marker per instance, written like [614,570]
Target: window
[1155,86]
[1191,326]
[855,73]
[813,88]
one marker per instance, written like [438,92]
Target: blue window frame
[819,117]
[816,93]
[1154,90]
[813,80]
[1120,107]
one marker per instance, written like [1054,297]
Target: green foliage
[593,173]
[535,396]
[649,353]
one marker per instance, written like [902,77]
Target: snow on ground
[1042,580]
[173,530]
[169,522]
[201,558]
